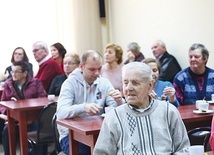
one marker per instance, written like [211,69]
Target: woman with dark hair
[58,53]
[19,54]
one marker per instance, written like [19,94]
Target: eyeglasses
[18,54]
[36,50]
[69,63]
[16,72]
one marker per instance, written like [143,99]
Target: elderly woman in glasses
[162,90]
[70,63]
[20,86]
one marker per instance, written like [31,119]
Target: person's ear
[81,66]
[25,73]
[205,60]
[150,86]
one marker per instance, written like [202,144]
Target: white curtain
[78,25]
[74,23]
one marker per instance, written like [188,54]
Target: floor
[50,149]
[1,150]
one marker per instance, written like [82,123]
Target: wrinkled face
[157,49]
[135,90]
[39,53]
[69,65]
[196,60]
[110,55]
[18,55]
[17,73]
[54,52]
[155,72]
[91,69]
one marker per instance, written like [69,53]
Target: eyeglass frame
[16,72]
[36,50]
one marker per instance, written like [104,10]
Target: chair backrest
[56,135]
[200,136]
[45,122]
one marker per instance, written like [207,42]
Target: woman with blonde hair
[111,70]
[70,63]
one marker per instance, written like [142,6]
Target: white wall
[179,23]
[24,22]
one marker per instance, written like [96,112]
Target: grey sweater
[75,92]
[157,131]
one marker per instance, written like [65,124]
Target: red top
[47,72]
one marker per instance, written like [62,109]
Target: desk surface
[85,125]
[187,114]
[93,123]
[34,103]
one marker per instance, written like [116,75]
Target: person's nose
[192,58]
[97,72]
[129,86]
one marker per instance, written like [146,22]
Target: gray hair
[144,70]
[160,42]
[42,44]
[133,46]
[204,51]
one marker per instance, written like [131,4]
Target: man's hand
[92,108]
[116,94]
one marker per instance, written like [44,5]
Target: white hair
[144,70]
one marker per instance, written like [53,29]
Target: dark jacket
[57,84]
[169,67]
[31,89]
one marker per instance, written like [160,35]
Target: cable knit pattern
[156,131]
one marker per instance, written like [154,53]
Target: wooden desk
[192,120]
[22,111]
[84,130]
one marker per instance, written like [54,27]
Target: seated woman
[19,54]
[58,53]
[113,63]
[20,86]
[70,62]
[161,89]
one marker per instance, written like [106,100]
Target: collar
[142,110]
[43,60]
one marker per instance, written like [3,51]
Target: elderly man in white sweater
[143,126]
